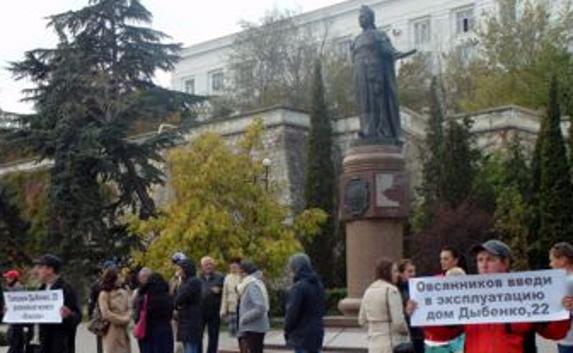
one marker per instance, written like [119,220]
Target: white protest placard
[36,307]
[496,298]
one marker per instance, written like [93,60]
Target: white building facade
[427,25]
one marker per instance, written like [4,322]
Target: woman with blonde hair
[113,303]
[381,310]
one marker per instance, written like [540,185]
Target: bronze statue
[373,60]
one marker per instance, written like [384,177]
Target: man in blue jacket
[304,326]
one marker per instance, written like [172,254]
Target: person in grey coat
[253,309]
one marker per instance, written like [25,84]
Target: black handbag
[404,347]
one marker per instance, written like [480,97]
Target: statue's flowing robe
[373,61]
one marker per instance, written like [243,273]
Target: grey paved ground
[86,341]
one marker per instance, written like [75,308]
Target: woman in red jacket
[493,257]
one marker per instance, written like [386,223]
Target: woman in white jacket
[381,310]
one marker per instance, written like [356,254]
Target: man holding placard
[497,311]
[60,337]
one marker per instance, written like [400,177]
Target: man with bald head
[211,302]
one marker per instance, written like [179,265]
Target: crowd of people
[386,308]
[173,316]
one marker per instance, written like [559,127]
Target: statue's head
[367,17]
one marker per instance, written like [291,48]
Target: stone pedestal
[374,193]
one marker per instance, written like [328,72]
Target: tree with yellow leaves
[222,209]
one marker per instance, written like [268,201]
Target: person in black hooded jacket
[304,326]
[188,305]
[159,332]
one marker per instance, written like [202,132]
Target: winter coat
[159,311]
[212,291]
[136,304]
[304,327]
[382,313]
[416,333]
[114,307]
[188,305]
[1,303]
[95,289]
[159,333]
[230,297]
[253,305]
[61,338]
[512,337]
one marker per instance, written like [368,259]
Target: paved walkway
[86,341]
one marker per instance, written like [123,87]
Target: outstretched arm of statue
[402,55]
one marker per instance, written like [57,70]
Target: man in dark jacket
[56,338]
[304,327]
[212,290]
[188,305]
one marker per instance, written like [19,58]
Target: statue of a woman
[373,61]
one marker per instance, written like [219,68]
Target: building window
[509,9]
[244,74]
[467,53]
[189,86]
[512,9]
[422,31]
[217,79]
[465,20]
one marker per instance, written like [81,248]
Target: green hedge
[333,296]
[278,300]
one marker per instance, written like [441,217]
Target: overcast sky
[23,27]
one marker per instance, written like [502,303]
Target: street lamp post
[267,165]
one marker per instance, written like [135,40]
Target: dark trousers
[212,323]
[16,339]
[99,344]
[564,349]
[252,342]
[159,340]
[418,343]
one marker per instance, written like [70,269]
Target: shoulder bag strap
[390,334]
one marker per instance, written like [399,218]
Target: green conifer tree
[89,92]
[459,163]
[555,190]
[433,151]
[320,185]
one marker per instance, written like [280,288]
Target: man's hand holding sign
[494,306]
[500,298]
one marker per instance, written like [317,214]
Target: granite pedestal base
[374,193]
